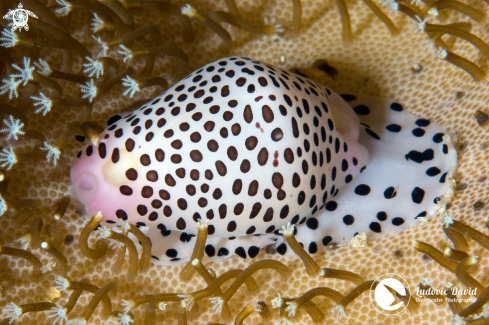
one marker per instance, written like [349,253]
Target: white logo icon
[383,298]
[19,17]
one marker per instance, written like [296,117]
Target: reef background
[376,64]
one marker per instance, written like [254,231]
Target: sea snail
[251,147]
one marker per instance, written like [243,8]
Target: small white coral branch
[11,85]
[105,48]
[3,206]
[277,302]
[97,23]
[43,67]
[217,302]
[12,312]
[441,53]
[114,244]
[132,86]
[123,225]
[276,29]
[8,38]
[391,5]
[94,67]
[104,232]
[420,24]
[48,267]
[125,319]
[8,158]
[25,241]
[433,12]
[126,52]
[89,90]
[447,220]
[128,305]
[42,103]
[291,308]
[287,230]
[339,312]
[457,320]
[425,281]
[65,8]
[360,240]
[13,128]
[203,223]
[187,301]
[53,153]
[485,310]
[58,313]
[188,10]
[61,283]
[26,73]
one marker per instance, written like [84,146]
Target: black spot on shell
[396,107]
[372,134]
[393,128]
[417,195]
[361,110]
[375,227]
[255,210]
[253,251]
[282,249]
[240,252]
[125,190]
[312,223]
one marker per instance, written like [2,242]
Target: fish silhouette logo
[390,295]
[19,17]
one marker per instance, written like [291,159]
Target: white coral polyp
[12,312]
[10,85]
[42,103]
[8,158]
[13,128]
[25,241]
[65,8]
[105,48]
[217,302]
[125,319]
[287,230]
[61,283]
[291,308]
[53,153]
[94,67]
[277,302]
[97,23]
[89,90]
[8,38]
[126,52]
[132,86]
[43,67]
[59,315]
[26,73]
